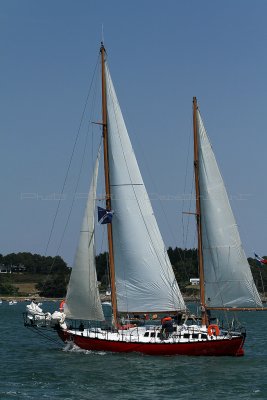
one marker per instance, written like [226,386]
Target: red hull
[225,347]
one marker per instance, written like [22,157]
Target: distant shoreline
[25,298]
[103,298]
[55,299]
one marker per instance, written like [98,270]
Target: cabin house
[4,269]
[8,269]
[18,268]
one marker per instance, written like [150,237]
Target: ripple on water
[32,368]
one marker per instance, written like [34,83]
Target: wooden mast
[107,186]
[198,217]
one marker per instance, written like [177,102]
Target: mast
[198,216]
[107,185]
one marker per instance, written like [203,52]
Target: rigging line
[163,210]
[108,280]
[92,125]
[71,158]
[81,167]
[186,220]
[187,231]
[108,88]
[44,335]
[95,107]
[102,252]
[214,258]
[65,180]
[190,258]
[140,209]
[181,256]
[103,241]
[263,287]
[185,183]
[256,288]
[92,237]
[185,236]
[76,188]
[156,188]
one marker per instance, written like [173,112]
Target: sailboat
[149,314]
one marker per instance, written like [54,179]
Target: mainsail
[145,281]
[228,278]
[82,299]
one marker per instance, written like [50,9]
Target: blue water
[34,368]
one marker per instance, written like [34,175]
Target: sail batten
[82,299]
[228,279]
[144,277]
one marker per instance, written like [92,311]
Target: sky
[160,54]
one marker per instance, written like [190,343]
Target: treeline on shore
[51,274]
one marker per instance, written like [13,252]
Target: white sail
[82,299]
[145,281]
[228,278]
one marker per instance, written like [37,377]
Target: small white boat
[12,302]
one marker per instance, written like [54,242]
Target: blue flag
[104,216]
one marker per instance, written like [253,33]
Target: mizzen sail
[82,299]
[228,279]
[145,281]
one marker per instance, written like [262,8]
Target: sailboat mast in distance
[198,216]
[107,184]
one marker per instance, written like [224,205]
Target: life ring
[61,306]
[213,330]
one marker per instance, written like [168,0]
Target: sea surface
[32,367]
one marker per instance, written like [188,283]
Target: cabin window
[146,334]
[152,334]
[186,335]
[203,336]
[195,336]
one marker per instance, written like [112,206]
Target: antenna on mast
[103,41]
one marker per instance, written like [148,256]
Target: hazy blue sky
[161,54]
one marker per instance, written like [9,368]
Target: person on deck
[167,326]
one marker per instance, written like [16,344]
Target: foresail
[145,281]
[82,299]
[228,278]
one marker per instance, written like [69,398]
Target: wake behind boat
[148,311]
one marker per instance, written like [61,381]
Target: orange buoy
[213,330]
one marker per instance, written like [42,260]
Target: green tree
[184,263]
[35,263]
[6,286]
[54,286]
[102,269]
